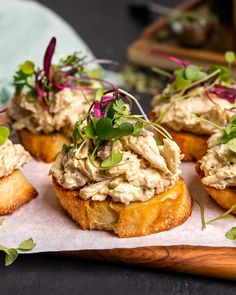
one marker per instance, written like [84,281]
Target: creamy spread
[66,107]
[146,169]
[12,157]
[180,114]
[219,164]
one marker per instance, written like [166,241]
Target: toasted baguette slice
[15,190]
[162,212]
[43,147]
[226,198]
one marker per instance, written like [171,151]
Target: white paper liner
[46,222]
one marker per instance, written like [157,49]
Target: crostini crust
[15,190]
[226,198]
[43,147]
[162,212]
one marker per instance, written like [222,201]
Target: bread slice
[162,212]
[226,198]
[43,147]
[15,190]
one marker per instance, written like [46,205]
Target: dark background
[107,28]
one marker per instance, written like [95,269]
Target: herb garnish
[216,80]
[229,135]
[70,72]
[108,120]
[231,234]
[12,253]
[4,134]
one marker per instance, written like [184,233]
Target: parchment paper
[52,230]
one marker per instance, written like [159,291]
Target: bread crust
[43,147]
[193,146]
[226,198]
[162,212]
[15,190]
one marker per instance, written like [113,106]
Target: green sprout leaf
[112,160]
[231,234]
[4,133]
[106,131]
[138,127]
[77,133]
[224,75]
[12,253]
[90,131]
[27,67]
[95,73]
[10,256]
[229,133]
[192,73]
[1,221]
[232,145]
[99,94]
[180,81]
[26,245]
[66,148]
[159,142]
[230,56]
[121,108]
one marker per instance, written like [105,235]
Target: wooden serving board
[207,261]
[140,52]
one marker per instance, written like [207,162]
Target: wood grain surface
[208,261]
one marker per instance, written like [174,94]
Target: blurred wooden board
[207,261]
[140,51]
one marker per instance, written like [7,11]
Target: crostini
[117,176]
[47,102]
[15,190]
[217,169]
[192,93]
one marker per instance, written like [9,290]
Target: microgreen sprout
[231,234]
[222,216]
[12,253]
[109,119]
[70,72]
[228,133]
[216,80]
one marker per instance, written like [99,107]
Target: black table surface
[107,28]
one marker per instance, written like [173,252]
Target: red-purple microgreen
[47,61]
[69,72]
[174,59]
[38,86]
[97,110]
[224,92]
